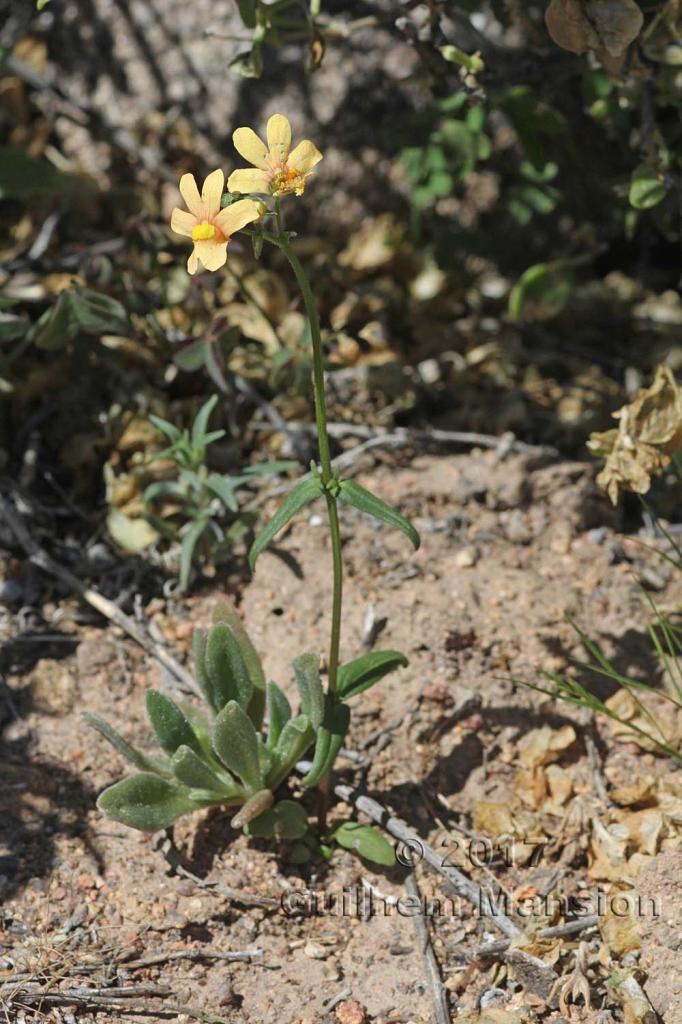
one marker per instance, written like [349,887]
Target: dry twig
[483,901]
[441,1012]
[38,556]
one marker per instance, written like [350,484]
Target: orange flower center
[286,180]
[202,232]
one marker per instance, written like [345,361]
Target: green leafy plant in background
[199,495]
[646,443]
[654,726]
[238,757]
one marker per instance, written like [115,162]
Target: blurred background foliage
[494,234]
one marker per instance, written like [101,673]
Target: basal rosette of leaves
[241,748]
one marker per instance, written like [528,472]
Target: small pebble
[350,1011]
[315,951]
[466,557]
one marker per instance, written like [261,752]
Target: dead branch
[441,1012]
[38,556]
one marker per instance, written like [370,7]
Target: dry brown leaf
[605,26]
[560,785]
[650,714]
[618,926]
[569,27]
[373,245]
[648,434]
[544,745]
[617,22]
[531,786]
[608,851]
[643,791]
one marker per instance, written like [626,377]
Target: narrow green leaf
[303,494]
[307,672]
[145,764]
[170,431]
[201,422]
[192,771]
[235,741]
[189,543]
[227,672]
[366,841]
[171,727]
[270,468]
[279,713]
[328,742]
[224,488]
[146,802]
[365,501]
[359,675]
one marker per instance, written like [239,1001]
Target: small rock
[186,887]
[315,951]
[437,693]
[466,557]
[350,1011]
[429,371]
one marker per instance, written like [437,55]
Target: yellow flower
[209,227]
[279,169]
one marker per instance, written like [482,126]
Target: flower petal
[190,193]
[279,138]
[182,222]
[246,180]
[237,215]
[304,157]
[212,193]
[212,255]
[253,149]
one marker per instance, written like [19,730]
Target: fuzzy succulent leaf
[199,644]
[360,674]
[171,726]
[366,841]
[136,758]
[224,612]
[146,802]
[303,494]
[286,820]
[328,741]
[351,492]
[279,713]
[192,771]
[307,672]
[295,739]
[236,743]
[227,672]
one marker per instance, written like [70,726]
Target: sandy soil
[509,547]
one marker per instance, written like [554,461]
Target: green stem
[323,444]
